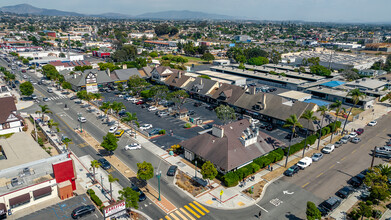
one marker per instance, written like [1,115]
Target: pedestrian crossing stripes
[57,97]
[192,211]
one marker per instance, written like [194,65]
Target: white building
[140,35]
[9,120]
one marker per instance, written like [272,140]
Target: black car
[141,196]
[197,104]
[270,128]
[73,97]
[344,192]
[172,170]
[104,163]
[209,107]
[82,210]
[169,104]
[329,205]
[190,112]
[288,136]
[263,125]
[357,181]
[292,170]
[122,113]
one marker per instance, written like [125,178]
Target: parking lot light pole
[81,128]
[158,175]
[195,170]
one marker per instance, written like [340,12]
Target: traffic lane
[325,177]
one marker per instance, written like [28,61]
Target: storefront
[115,210]
[43,192]
[3,211]
[19,200]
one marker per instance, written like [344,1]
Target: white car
[152,108]
[113,129]
[328,149]
[372,123]
[305,162]
[134,146]
[352,135]
[82,119]
[129,98]
[146,126]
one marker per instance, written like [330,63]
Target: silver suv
[345,139]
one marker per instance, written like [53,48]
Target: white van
[305,162]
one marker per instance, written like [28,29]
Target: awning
[20,199]
[43,191]
[3,209]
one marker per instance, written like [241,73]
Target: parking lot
[63,210]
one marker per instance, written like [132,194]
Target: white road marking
[261,207]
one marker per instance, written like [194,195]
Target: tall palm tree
[337,106]
[356,97]
[293,122]
[112,180]
[384,170]
[106,106]
[130,118]
[94,164]
[323,111]
[310,117]
[44,110]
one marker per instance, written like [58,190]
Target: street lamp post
[195,170]
[158,175]
[78,117]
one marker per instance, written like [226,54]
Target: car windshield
[301,163]
[316,155]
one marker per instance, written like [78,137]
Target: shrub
[40,141]
[162,131]
[338,125]
[231,179]
[255,167]
[96,199]
[90,192]
[187,125]
[240,173]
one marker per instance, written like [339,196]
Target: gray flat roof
[220,75]
[336,92]
[195,75]
[367,83]
[264,76]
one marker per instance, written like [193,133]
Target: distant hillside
[184,15]
[29,9]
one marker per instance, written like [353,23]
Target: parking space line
[305,185]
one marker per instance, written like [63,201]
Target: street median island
[189,184]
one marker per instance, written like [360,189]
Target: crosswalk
[57,97]
[192,211]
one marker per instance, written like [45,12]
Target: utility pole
[373,156]
[158,175]
[35,128]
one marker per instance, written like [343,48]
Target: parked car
[154,131]
[141,196]
[345,139]
[372,123]
[329,205]
[113,129]
[169,104]
[356,140]
[73,97]
[338,144]
[34,97]
[50,90]
[140,102]
[152,108]
[197,104]
[163,113]
[344,192]
[359,131]
[357,181]
[82,119]
[328,149]
[316,157]
[209,107]
[305,162]
[270,127]
[263,125]
[119,133]
[191,112]
[292,170]
[172,170]
[352,135]
[134,146]
[104,163]
[82,211]
[145,126]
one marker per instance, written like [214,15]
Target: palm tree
[106,106]
[66,141]
[130,118]
[112,180]
[356,97]
[323,111]
[94,164]
[44,110]
[293,122]
[310,117]
[336,105]
[117,106]
[384,170]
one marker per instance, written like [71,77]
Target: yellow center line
[343,158]
[173,216]
[305,185]
[180,215]
[319,175]
[202,207]
[186,213]
[354,151]
[198,210]
[192,212]
[332,166]
[168,218]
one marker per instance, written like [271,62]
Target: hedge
[96,199]
[90,192]
[232,178]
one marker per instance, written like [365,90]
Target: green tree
[337,106]
[105,107]
[130,196]
[377,182]
[204,76]
[350,75]
[225,113]
[310,117]
[275,56]
[313,212]
[109,143]
[320,70]
[294,123]
[178,97]
[144,171]
[66,85]
[159,92]
[162,29]
[44,110]
[111,181]
[67,141]
[137,84]
[313,61]
[255,52]
[364,210]
[26,88]
[50,72]
[208,171]
[153,54]
[258,61]
[323,111]
[208,57]
[94,164]
[356,96]
[61,55]
[130,118]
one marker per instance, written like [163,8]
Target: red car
[360,131]
[140,102]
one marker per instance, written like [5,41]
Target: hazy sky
[308,10]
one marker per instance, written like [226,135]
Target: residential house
[161,73]
[227,93]
[178,80]
[10,121]
[228,147]
[69,65]
[201,88]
